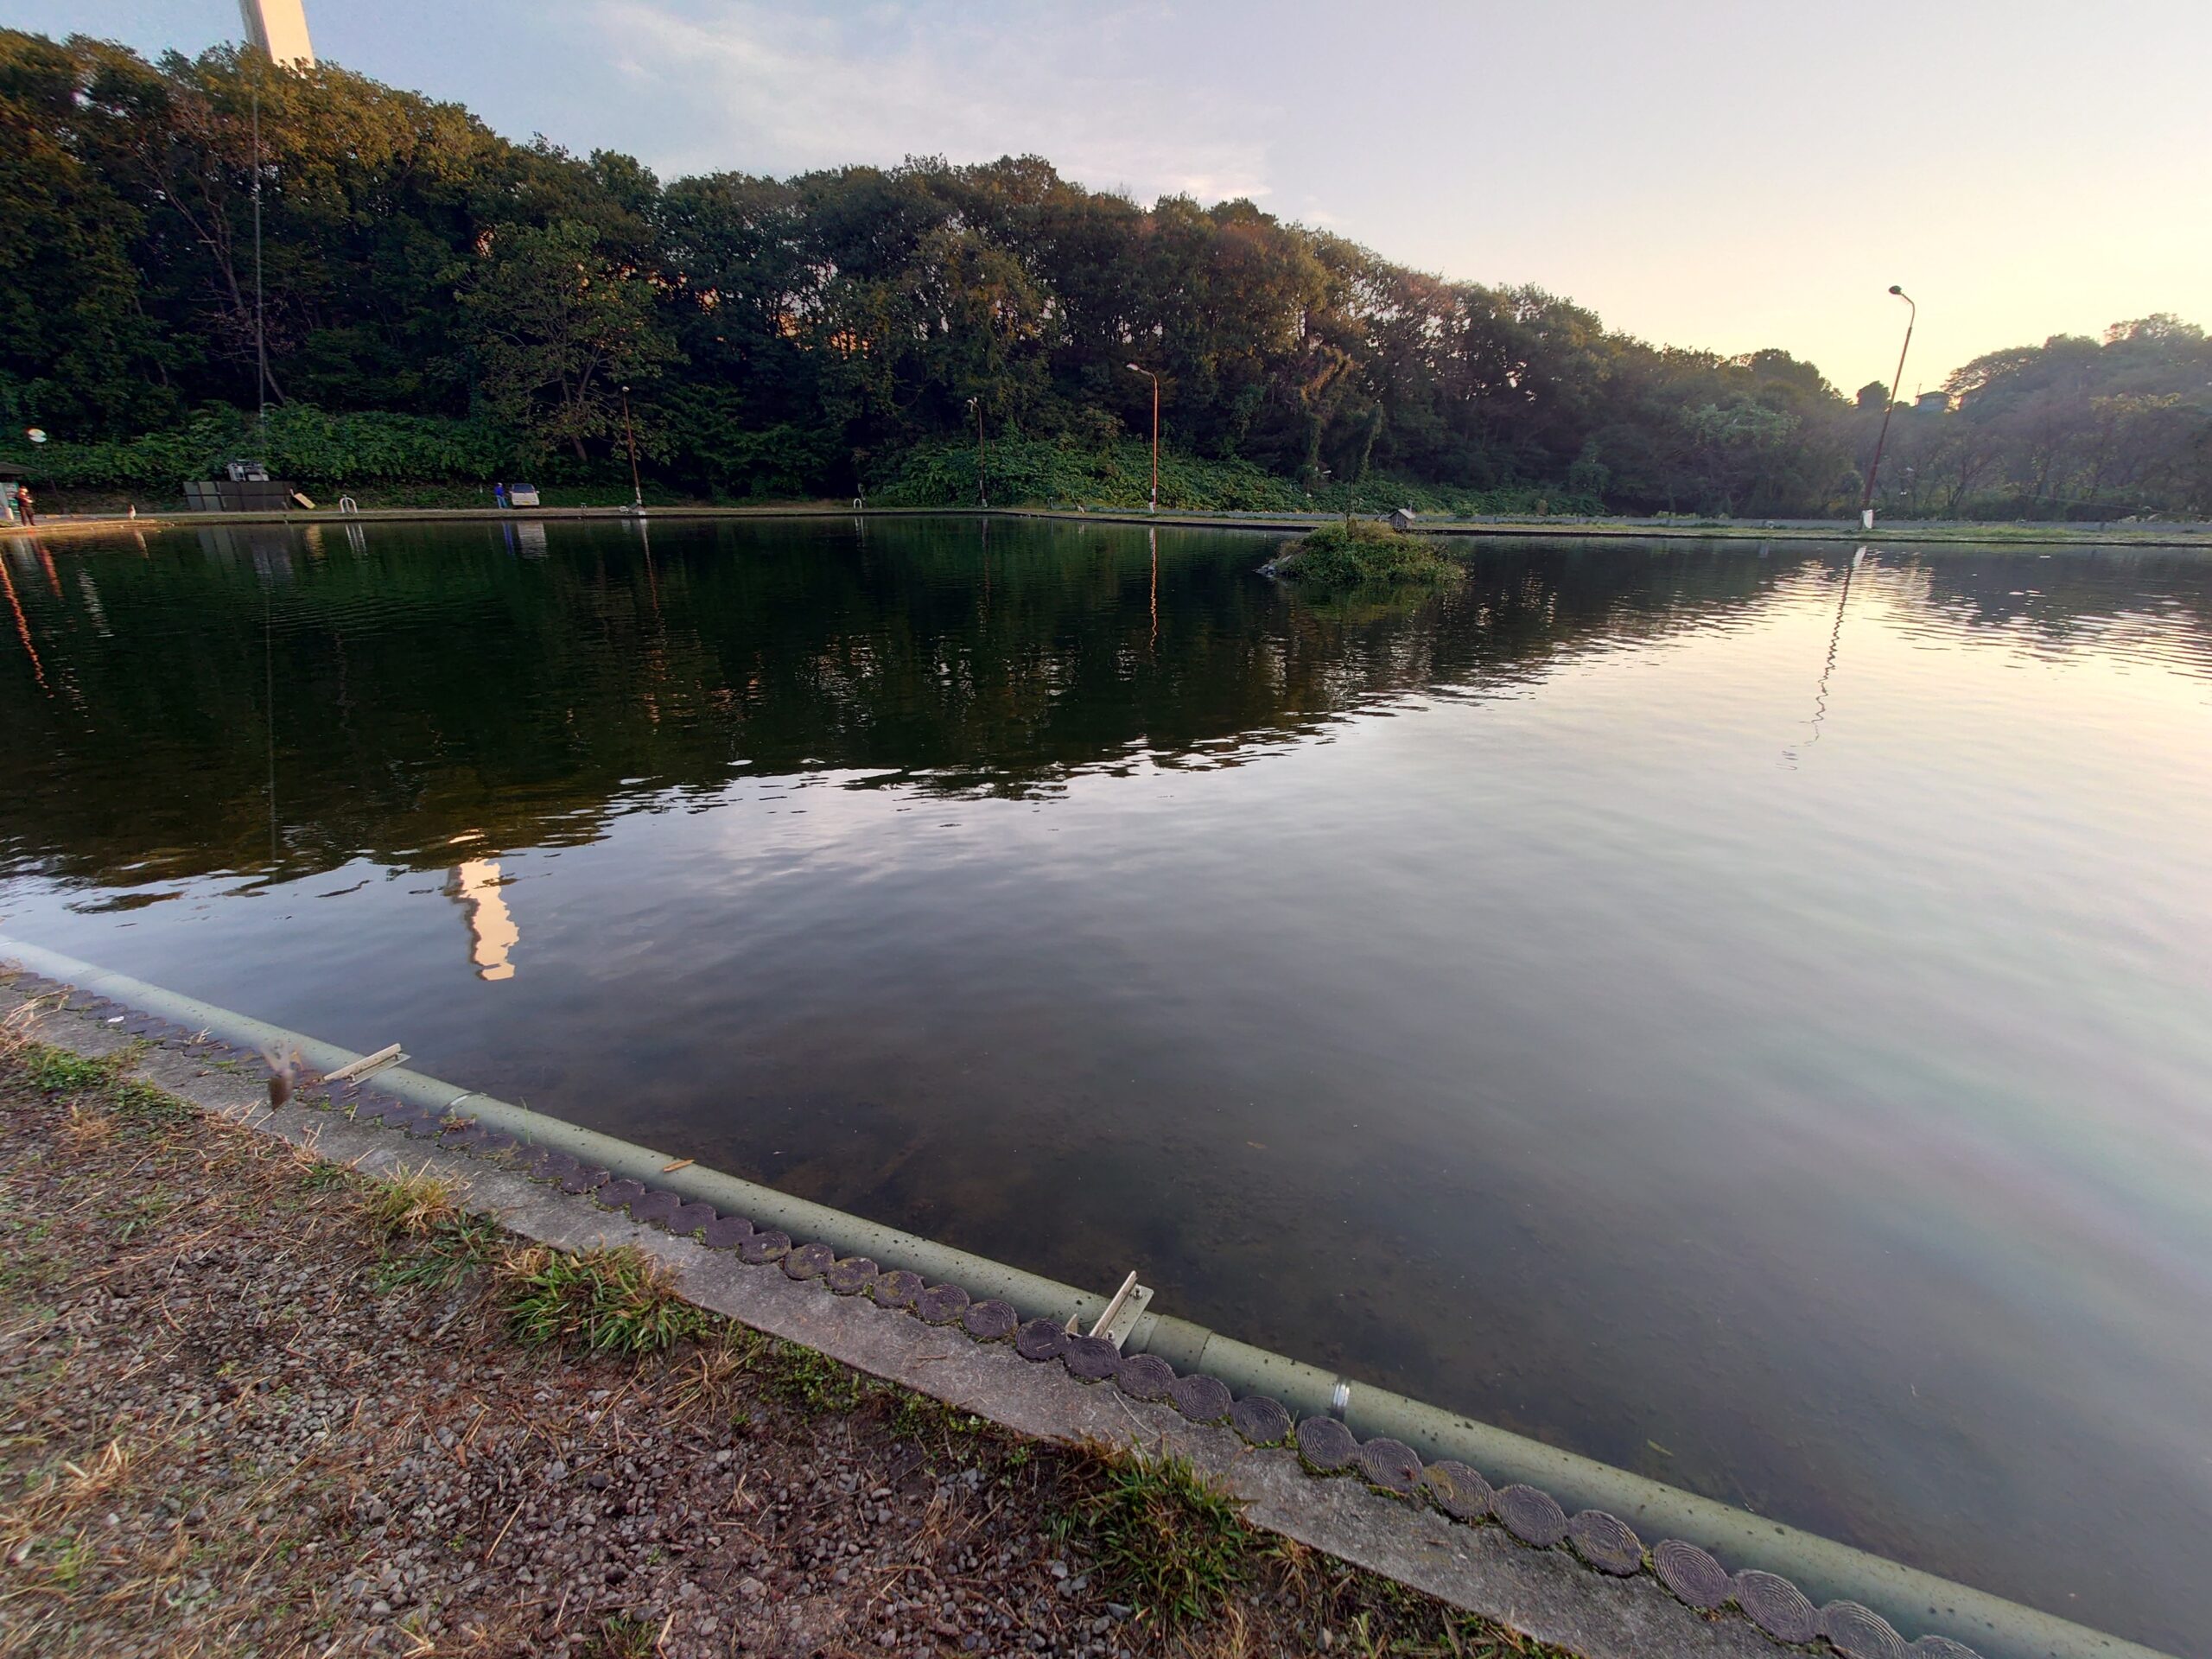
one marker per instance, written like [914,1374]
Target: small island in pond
[1359,554]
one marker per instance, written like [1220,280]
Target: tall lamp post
[637,490]
[1138,369]
[983,480]
[1866,501]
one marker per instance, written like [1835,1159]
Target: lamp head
[1136,369]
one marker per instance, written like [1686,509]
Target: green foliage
[558,327]
[300,443]
[1117,476]
[59,1072]
[606,1301]
[1359,554]
[1037,472]
[1164,1538]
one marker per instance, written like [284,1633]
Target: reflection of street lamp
[1866,501]
[636,491]
[982,484]
[1149,375]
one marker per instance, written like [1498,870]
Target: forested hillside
[442,304]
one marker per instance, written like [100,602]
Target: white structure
[279,28]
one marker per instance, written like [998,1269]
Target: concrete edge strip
[1997,533]
[1324,1445]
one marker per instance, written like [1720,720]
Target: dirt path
[252,1403]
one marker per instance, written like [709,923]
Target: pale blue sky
[1710,173]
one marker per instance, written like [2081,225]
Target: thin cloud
[779,92]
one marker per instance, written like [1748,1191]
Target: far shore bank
[1901,533]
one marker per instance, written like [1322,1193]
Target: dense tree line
[842,329]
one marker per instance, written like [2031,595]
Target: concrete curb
[1997,535]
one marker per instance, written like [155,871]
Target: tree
[557,330]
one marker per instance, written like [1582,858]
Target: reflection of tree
[2067,598]
[429,685]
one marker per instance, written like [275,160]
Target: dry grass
[412,1204]
[85,1130]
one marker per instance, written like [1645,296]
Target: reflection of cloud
[791,92]
[476,884]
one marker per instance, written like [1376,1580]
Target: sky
[1712,174]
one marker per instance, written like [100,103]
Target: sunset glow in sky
[1713,174]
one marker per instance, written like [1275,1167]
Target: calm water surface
[1747,1030]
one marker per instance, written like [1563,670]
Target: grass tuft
[1163,1537]
[622,1635]
[606,1301]
[449,1251]
[411,1204]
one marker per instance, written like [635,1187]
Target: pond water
[1745,1026]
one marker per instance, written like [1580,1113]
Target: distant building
[1932,402]
[1402,519]
[279,28]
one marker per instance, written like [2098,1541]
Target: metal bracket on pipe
[1123,1309]
[388,1055]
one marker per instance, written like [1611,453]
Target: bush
[299,443]
[1360,554]
[1037,472]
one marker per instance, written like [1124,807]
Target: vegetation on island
[445,306]
[1360,553]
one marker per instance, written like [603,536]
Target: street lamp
[1135,368]
[637,491]
[1866,501]
[982,484]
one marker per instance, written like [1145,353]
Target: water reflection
[23,622]
[925,656]
[475,883]
[1828,664]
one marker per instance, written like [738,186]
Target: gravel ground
[240,1415]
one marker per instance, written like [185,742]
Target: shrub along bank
[428,460]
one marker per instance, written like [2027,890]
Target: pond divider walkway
[1903,532]
[1557,1548]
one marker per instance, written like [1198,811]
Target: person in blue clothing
[500,494]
